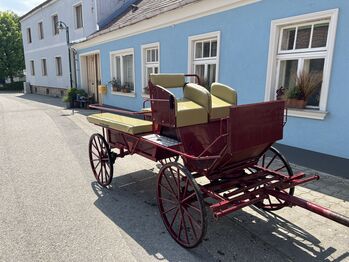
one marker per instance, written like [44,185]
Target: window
[151,63]
[122,71]
[43,67]
[32,68]
[29,35]
[204,55]
[41,30]
[55,29]
[58,66]
[301,46]
[78,16]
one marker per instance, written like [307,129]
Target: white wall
[55,45]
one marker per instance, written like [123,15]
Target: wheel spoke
[188,197]
[169,210]
[194,208]
[191,218]
[191,222]
[185,227]
[168,182]
[174,216]
[95,154]
[97,164]
[185,187]
[263,160]
[271,161]
[168,200]
[168,190]
[280,168]
[180,228]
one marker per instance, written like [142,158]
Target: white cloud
[20,7]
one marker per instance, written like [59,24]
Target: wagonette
[209,148]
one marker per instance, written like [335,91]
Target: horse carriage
[214,153]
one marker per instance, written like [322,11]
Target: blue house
[255,46]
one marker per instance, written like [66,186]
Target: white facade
[55,45]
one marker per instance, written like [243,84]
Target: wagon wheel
[181,205]
[169,160]
[101,159]
[274,160]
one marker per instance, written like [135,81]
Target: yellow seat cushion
[168,80]
[224,93]
[124,124]
[190,113]
[220,108]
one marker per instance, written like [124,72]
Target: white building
[45,46]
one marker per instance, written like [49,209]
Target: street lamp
[63,26]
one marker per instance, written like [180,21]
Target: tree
[11,48]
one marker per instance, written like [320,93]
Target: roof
[141,10]
[35,8]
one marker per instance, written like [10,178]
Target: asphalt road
[51,209]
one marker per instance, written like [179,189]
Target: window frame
[191,52]
[274,57]
[29,35]
[59,71]
[41,30]
[55,30]
[121,53]
[43,66]
[32,67]
[75,6]
[144,49]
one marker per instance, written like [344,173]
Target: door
[92,76]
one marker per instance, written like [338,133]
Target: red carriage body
[226,151]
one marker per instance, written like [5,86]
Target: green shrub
[72,93]
[15,86]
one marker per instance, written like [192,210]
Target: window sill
[307,113]
[132,94]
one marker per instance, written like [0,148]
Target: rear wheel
[275,161]
[101,159]
[181,205]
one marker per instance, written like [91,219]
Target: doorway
[92,76]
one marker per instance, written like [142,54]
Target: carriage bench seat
[124,124]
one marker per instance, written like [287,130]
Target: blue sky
[20,7]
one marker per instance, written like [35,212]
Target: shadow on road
[130,203]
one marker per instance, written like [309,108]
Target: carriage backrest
[168,80]
[199,95]
[254,127]
[224,92]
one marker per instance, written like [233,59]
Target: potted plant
[305,85]
[116,84]
[127,87]
[70,97]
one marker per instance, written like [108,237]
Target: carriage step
[162,140]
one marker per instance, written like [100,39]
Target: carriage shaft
[322,211]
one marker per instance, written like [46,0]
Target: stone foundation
[46,90]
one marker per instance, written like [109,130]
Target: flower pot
[296,103]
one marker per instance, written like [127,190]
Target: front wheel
[101,159]
[181,205]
